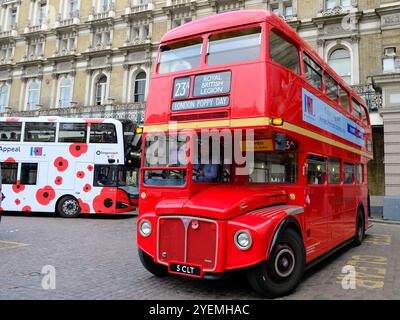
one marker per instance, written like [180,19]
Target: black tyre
[157,269]
[282,272]
[68,207]
[360,229]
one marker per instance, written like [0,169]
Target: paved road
[95,258]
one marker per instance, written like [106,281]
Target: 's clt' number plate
[185,270]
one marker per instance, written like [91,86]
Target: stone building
[94,58]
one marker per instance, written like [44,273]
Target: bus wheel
[282,272]
[157,269]
[68,207]
[360,231]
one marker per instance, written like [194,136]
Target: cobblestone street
[95,258]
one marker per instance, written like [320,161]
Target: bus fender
[288,221]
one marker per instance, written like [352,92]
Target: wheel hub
[285,262]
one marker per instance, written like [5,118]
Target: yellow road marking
[7,245]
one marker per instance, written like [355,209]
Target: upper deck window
[40,132]
[357,110]
[331,87]
[313,72]
[344,96]
[10,131]
[103,133]
[283,52]
[185,55]
[234,46]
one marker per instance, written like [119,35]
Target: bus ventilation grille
[201,116]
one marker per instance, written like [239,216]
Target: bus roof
[58,119]
[216,22]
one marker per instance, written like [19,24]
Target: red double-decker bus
[262,94]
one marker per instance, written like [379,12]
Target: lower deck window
[316,170]
[29,173]
[9,173]
[274,168]
[105,176]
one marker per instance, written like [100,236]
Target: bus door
[316,207]
[105,183]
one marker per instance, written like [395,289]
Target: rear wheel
[360,229]
[282,272]
[157,269]
[68,207]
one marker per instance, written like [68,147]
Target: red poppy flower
[104,202]
[18,187]
[90,121]
[87,188]
[58,181]
[90,168]
[85,208]
[45,195]
[80,175]
[61,164]
[78,149]
[17,202]
[10,160]
[27,209]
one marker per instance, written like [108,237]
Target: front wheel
[69,207]
[157,269]
[282,272]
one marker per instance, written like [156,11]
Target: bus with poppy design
[261,93]
[69,166]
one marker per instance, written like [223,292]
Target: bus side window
[72,133]
[349,173]
[283,52]
[316,170]
[331,87]
[29,173]
[357,109]
[344,97]
[359,173]
[105,176]
[313,72]
[334,171]
[9,172]
[103,133]
[40,132]
[10,131]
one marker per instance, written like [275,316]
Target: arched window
[140,87]
[65,93]
[3,97]
[33,95]
[101,90]
[340,61]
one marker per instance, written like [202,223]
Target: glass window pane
[357,109]
[105,176]
[103,133]
[359,173]
[331,87]
[72,132]
[10,131]
[165,178]
[349,173]
[29,173]
[316,170]
[274,168]
[234,46]
[9,173]
[40,132]
[344,97]
[283,52]
[180,56]
[313,72]
[333,171]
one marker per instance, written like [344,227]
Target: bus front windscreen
[180,56]
[165,156]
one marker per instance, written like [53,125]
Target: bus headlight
[145,228]
[243,240]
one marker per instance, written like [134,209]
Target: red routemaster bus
[262,94]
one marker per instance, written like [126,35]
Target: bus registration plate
[186,270]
